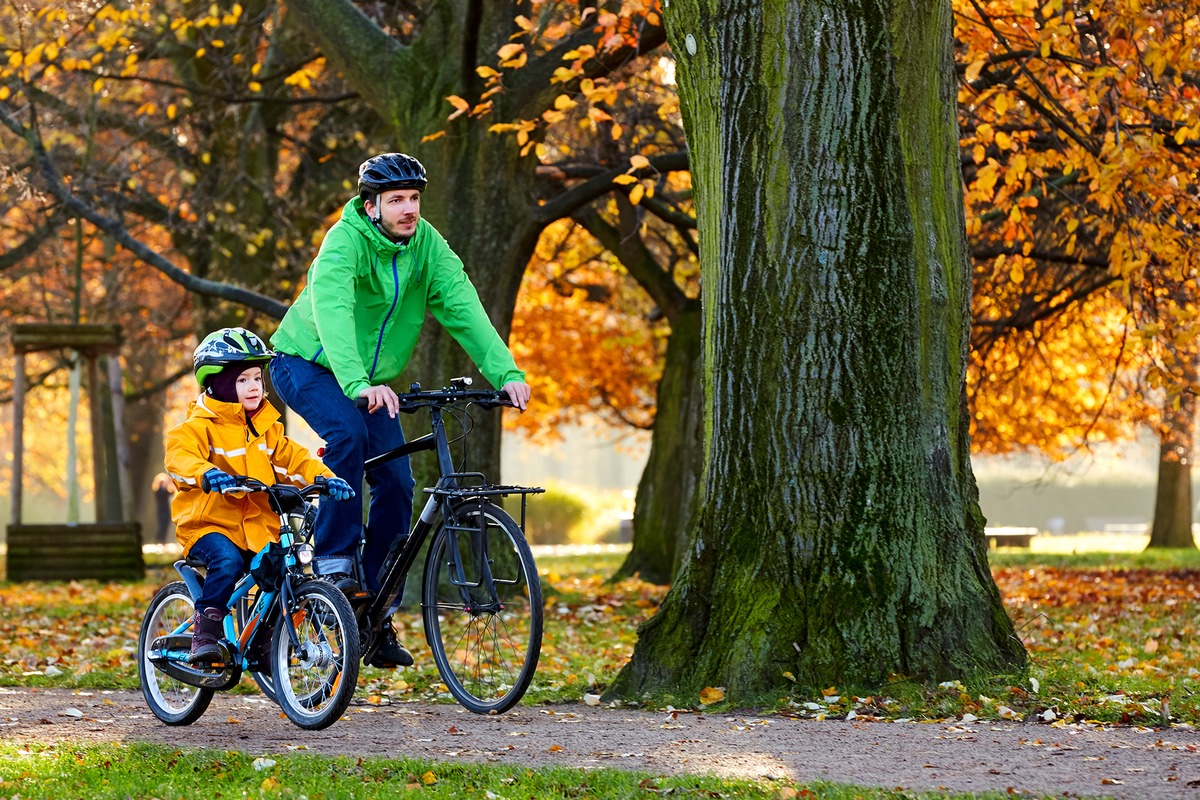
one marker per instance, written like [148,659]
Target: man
[350,332]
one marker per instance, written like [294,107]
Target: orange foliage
[1080,133]
[581,331]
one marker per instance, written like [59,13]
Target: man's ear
[372,209]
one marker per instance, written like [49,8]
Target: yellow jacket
[217,434]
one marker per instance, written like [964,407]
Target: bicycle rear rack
[449,488]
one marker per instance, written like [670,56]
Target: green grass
[1110,638]
[138,771]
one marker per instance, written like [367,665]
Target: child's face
[250,388]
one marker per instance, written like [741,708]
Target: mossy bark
[666,494]
[838,537]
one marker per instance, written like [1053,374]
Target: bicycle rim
[172,701]
[316,680]
[485,646]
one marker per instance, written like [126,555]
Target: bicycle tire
[485,651]
[265,683]
[172,701]
[315,683]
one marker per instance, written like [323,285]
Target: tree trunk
[1172,526]
[666,495]
[838,538]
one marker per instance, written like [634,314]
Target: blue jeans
[224,565]
[352,435]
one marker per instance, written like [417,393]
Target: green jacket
[366,299]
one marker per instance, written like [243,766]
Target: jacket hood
[354,214]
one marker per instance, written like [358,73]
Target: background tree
[204,139]
[839,538]
[1080,131]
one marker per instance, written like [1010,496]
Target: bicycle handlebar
[245,484]
[417,399]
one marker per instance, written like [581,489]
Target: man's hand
[381,397]
[518,392]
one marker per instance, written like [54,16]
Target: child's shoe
[207,628]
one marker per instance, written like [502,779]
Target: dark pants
[352,435]
[224,565]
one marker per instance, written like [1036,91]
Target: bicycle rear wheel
[482,608]
[315,681]
[172,701]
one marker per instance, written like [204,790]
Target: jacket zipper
[383,327]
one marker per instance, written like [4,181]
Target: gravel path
[1078,760]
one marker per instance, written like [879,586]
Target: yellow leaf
[711,694]
[562,75]
[255,86]
[486,72]
[636,194]
[554,748]
[624,180]
[973,70]
[617,130]
[509,50]
[428,779]
[458,102]
[270,784]
[171,111]
[4,92]
[432,136]
[830,692]
[639,162]
[1151,646]
[563,102]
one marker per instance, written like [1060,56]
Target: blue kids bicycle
[296,636]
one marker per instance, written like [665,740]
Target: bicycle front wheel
[171,700]
[482,608]
[315,680]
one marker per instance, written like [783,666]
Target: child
[231,430]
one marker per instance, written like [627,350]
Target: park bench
[1009,537]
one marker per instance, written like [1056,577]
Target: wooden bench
[1009,537]
[61,552]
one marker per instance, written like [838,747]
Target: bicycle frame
[401,556]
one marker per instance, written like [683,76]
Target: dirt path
[1123,763]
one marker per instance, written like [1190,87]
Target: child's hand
[217,481]
[338,489]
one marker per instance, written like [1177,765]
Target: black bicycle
[481,599]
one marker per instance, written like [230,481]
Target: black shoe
[345,582]
[390,653]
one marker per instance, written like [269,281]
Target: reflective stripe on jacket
[216,434]
[366,298]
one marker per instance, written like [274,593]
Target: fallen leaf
[712,694]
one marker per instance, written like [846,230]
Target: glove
[338,489]
[217,481]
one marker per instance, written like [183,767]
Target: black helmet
[390,171]
[228,346]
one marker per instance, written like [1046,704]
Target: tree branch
[372,61]
[567,203]
[117,231]
[638,259]
[32,242]
[532,82]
